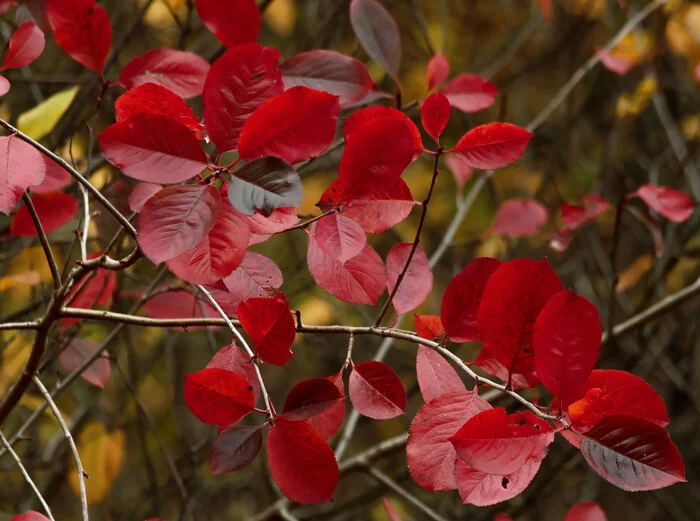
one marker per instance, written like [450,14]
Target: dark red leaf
[435,375]
[54,209]
[328,71]
[265,185]
[256,277]
[493,145]
[97,291]
[434,114]
[493,367]
[237,84]
[178,304]
[4,7]
[296,125]
[218,397]
[417,281]
[470,93]
[438,70]
[518,218]
[180,71]
[460,303]
[234,449]
[141,193]
[481,489]
[26,45]
[566,339]
[32,515]
[311,398]
[460,170]
[502,517]
[378,34]
[328,423]
[79,350]
[271,328]
[82,29]
[428,327]
[232,358]
[376,391]
[513,297]
[633,454]
[56,178]
[586,511]
[339,237]
[232,21]
[431,457]
[21,166]
[674,205]
[176,219]
[154,148]
[593,206]
[262,228]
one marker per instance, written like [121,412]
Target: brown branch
[55,274]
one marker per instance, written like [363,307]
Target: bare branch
[55,274]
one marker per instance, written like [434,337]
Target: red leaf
[338,236]
[460,303]
[26,45]
[232,358]
[438,70]
[378,34]
[232,21]
[593,206]
[495,442]
[156,99]
[176,219]
[481,489]
[256,277]
[32,515]
[154,148]
[435,375]
[237,84]
[470,93]
[4,86]
[360,280]
[431,457]
[514,296]
[97,291]
[328,423]
[546,8]
[586,511]
[219,252]
[4,7]
[566,339]
[82,29]
[178,304]
[180,71]
[79,350]
[218,397]
[492,146]
[434,114]
[373,116]
[674,205]
[518,218]
[296,125]
[633,454]
[234,449]
[502,517]
[56,178]
[54,209]
[417,282]
[460,170]
[271,328]
[301,462]
[141,193]
[311,398]
[328,71]
[376,391]
[617,64]
[493,367]
[393,514]
[428,327]
[262,228]
[21,166]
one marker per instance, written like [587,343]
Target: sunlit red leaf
[376,391]
[79,350]
[633,454]
[218,397]
[434,114]
[674,205]
[141,193]
[256,277]
[233,358]
[373,116]
[56,178]
[311,398]
[269,323]
[238,83]
[328,423]
[518,218]
[460,303]
[54,209]
[428,326]
[481,489]
[339,237]
[82,29]
[431,456]
[232,21]
[301,462]
[328,71]
[460,170]
[264,185]
[21,166]
[586,511]
[435,375]
[180,71]
[438,70]
[176,219]
[417,281]
[234,448]
[378,34]
[25,46]
[470,93]
[493,145]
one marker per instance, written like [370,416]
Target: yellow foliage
[37,122]
[634,47]
[317,311]
[492,246]
[633,103]
[683,31]
[690,126]
[31,260]
[517,180]
[281,16]
[14,355]
[102,455]
[30,278]
[635,271]
[591,9]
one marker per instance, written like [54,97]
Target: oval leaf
[234,449]
[141,193]
[232,21]
[417,281]
[378,34]
[674,205]
[586,511]
[470,93]
[56,178]
[438,70]
[55,209]
[518,218]
[435,375]
[218,397]
[339,237]
[481,489]
[265,184]
[310,398]
[79,350]
[232,358]
[26,45]
[269,323]
[256,277]
[428,327]
[493,145]
[328,423]
[376,391]
[21,166]
[434,114]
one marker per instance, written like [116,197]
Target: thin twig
[50,259]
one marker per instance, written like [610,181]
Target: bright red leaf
[311,398]
[141,193]
[674,205]
[378,34]
[21,166]
[586,511]
[328,423]
[470,93]
[256,277]
[262,228]
[438,70]
[417,281]
[493,367]
[435,375]
[339,237]
[232,21]
[269,323]
[434,114]
[218,397]
[376,391]
[234,448]
[296,125]
[482,489]
[32,515]
[428,327]
[430,455]
[518,218]
[373,116]
[55,209]
[233,358]
[176,219]
[26,45]
[180,71]
[79,350]
[460,303]
[56,178]
[237,84]
[493,145]
[82,29]
[460,170]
